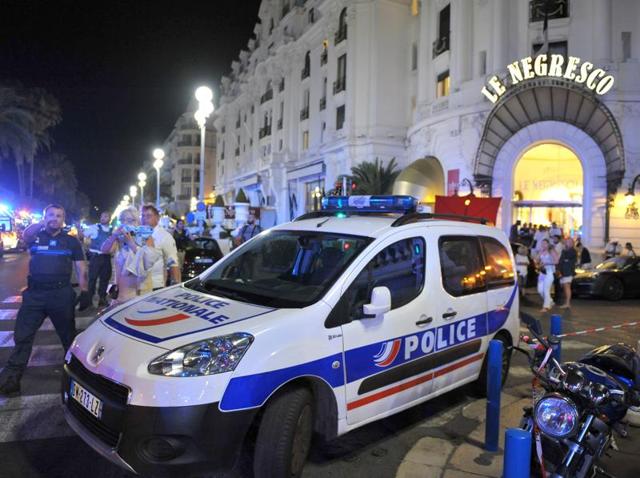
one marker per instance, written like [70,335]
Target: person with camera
[49,292]
[246,232]
[99,262]
[135,256]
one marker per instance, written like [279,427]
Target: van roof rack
[422,216]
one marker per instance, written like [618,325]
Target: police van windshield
[284,269]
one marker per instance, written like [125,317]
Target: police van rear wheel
[284,437]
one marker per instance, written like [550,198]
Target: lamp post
[133,192]
[630,200]
[158,153]
[204,95]
[142,182]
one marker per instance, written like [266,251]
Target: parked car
[201,254]
[612,279]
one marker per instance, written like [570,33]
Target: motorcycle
[577,406]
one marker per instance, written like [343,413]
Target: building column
[461,35]
[602,23]
[499,36]
[635,35]
[425,55]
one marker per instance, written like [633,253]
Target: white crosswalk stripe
[12,299]
[8,314]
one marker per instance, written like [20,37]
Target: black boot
[10,387]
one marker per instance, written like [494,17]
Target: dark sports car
[612,279]
[200,254]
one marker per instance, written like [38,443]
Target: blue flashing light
[394,204]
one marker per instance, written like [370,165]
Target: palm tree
[373,178]
[25,118]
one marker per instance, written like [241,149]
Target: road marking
[6,338]
[32,417]
[8,314]
[14,299]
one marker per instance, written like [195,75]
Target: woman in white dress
[133,261]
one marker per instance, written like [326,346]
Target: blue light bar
[397,204]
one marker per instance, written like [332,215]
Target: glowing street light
[204,95]
[158,153]
[133,192]
[142,182]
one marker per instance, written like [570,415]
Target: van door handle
[449,314]
[424,322]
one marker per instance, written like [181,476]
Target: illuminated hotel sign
[552,66]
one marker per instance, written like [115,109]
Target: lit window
[305,140]
[443,85]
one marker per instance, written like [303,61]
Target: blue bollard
[517,453]
[556,329]
[494,386]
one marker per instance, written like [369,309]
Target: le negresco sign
[554,66]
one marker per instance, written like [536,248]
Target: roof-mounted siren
[376,204]
[424,180]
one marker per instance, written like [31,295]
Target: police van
[319,326]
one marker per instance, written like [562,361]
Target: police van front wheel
[284,436]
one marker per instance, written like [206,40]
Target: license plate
[86,399]
[204,260]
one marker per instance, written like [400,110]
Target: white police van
[340,318]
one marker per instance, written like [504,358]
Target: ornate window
[553,9]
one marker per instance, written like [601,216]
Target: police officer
[99,263]
[49,292]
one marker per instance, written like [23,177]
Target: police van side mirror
[380,303]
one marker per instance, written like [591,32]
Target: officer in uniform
[99,263]
[49,292]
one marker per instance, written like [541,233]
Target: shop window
[339,117]
[400,267]
[441,44]
[443,84]
[305,140]
[497,264]
[552,8]
[461,265]
[314,190]
[555,48]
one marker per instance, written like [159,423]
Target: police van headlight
[207,357]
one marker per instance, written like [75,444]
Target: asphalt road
[35,441]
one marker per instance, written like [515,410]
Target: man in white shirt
[164,242]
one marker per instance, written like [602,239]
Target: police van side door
[461,313]
[377,380]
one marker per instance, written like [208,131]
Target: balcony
[323,103]
[440,46]
[304,113]
[264,131]
[268,95]
[186,143]
[323,57]
[341,35]
[306,72]
[185,161]
[279,124]
[339,85]
[184,197]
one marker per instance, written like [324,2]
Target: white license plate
[204,260]
[86,399]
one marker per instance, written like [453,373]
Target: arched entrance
[422,179]
[548,187]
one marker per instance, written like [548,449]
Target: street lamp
[142,182]
[133,192]
[630,200]
[158,153]
[204,95]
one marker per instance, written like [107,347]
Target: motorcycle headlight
[207,357]
[556,416]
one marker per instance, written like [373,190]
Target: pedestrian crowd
[555,257]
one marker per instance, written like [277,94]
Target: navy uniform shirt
[52,257]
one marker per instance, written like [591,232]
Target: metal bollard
[494,386]
[556,329]
[517,453]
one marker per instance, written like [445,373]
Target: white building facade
[453,91]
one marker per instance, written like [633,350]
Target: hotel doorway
[548,183]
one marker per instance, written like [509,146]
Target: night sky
[123,72]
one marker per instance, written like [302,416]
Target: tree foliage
[373,178]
